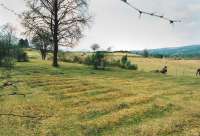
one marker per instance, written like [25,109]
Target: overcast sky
[118,26]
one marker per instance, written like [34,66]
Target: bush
[126,64]
[6,55]
[131,66]
[9,54]
[124,61]
[98,60]
[21,56]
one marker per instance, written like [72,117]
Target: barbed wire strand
[142,12]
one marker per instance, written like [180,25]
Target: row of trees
[23,43]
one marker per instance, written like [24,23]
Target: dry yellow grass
[176,67]
[75,100]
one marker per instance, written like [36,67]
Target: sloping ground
[75,100]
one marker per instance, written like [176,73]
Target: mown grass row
[76,100]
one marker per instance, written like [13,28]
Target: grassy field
[75,100]
[175,67]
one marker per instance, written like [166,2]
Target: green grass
[75,100]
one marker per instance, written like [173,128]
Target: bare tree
[65,19]
[42,42]
[95,47]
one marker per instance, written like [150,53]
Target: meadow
[178,68]
[75,100]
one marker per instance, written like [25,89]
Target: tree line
[11,50]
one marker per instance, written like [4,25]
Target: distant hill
[190,51]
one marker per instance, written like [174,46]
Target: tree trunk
[43,51]
[42,54]
[55,54]
[55,34]
[45,54]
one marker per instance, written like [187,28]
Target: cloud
[194,8]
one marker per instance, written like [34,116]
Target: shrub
[9,54]
[6,55]
[98,60]
[21,56]
[131,66]
[126,64]
[124,61]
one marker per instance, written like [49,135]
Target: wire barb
[141,12]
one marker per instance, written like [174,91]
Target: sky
[118,26]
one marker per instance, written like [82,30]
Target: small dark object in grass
[8,83]
[198,72]
[163,71]
[15,93]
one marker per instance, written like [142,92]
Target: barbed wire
[141,12]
